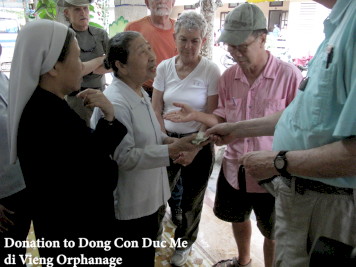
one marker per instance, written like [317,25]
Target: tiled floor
[215,240]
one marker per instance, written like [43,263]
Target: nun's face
[70,70]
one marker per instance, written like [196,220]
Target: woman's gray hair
[191,20]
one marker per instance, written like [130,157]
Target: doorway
[275,17]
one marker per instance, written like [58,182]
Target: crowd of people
[102,162]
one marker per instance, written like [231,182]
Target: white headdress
[37,49]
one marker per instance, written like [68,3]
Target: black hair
[65,50]
[118,49]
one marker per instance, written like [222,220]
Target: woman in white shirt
[191,79]
[144,153]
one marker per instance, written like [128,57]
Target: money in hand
[200,138]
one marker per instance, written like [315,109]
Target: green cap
[67,3]
[241,22]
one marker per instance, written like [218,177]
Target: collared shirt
[324,112]
[141,156]
[272,91]
[11,178]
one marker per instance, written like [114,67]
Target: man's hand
[222,133]
[185,114]
[5,222]
[259,164]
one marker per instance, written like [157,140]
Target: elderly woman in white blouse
[145,151]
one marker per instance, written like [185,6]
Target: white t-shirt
[192,90]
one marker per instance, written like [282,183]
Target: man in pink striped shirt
[258,85]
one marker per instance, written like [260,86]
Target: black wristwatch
[281,163]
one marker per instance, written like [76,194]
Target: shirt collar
[132,98]
[335,16]
[89,29]
[338,11]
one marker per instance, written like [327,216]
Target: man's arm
[101,70]
[337,159]
[185,157]
[93,64]
[186,113]
[333,160]
[225,133]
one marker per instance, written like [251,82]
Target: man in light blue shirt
[314,146]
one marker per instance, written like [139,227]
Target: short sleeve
[346,79]
[159,81]
[220,110]
[346,125]
[213,77]
[105,41]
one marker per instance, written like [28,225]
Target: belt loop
[293,185]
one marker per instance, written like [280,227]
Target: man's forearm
[91,65]
[207,119]
[337,159]
[257,127]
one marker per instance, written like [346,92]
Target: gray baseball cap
[67,3]
[241,22]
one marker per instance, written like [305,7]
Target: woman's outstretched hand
[184,114]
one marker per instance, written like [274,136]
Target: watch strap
[283,171]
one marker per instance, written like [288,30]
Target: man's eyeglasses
[242,48]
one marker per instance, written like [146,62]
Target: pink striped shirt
[272,91]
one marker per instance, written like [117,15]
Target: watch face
[279,163]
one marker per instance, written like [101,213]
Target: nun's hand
[95,98]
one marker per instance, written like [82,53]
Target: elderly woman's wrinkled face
[78,16]
[70,70]
[141,63]
[189,43]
